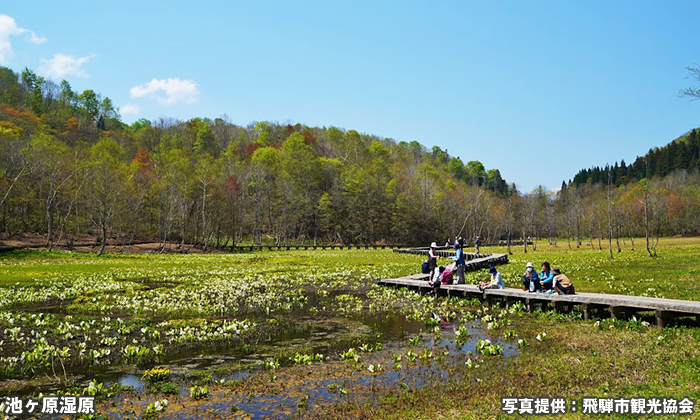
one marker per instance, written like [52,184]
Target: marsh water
[330,337]
[303,386]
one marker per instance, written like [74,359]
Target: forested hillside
[69,168]
[681,154]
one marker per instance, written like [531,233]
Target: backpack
[446,277]
[425,267]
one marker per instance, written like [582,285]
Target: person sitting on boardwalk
[546,277]
[446,276]
[531,281]
[436,280]
[432,260]
[496,280]
[562,284]
[458,258]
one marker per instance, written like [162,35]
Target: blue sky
[537,89]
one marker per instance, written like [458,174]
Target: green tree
[108,172]
[51,160]
[327,216]
[205,142]
[33,83]
[495,182]
[475,173]
[90,104]
[456,167]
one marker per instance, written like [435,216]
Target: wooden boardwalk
[590,303]
[473,261]
[250,248]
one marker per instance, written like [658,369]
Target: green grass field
[308,334]
[671,274]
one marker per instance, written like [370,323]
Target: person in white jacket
[496,280]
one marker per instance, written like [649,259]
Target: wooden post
[614,312]
[661,318]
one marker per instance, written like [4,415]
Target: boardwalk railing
[590,303]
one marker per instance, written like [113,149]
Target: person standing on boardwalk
[432,260]
[477,244]
[459,262]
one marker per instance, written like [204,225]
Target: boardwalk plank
[617,303]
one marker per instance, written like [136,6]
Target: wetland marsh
[309,334]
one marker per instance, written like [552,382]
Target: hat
[493,270]
[433,245]
[456,246]
[555,270]
[529,265]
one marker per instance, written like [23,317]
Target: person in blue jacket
[459,260]
[531,280]
[546,277]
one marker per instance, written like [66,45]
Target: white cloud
[36,39]
[63,65]
[9,28]
[175,90]
[129,109]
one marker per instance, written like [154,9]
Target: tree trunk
[509,236]
[49,218]
[204,217]
[104,239]
[646,221]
